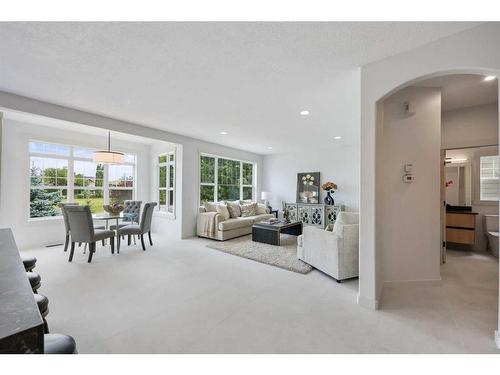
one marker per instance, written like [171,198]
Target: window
[48,185]
[225,179]
[489,181]
[166,182]
[61,173]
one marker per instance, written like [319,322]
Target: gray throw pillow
[234,208]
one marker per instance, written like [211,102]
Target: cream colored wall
[471,126]
[410,229]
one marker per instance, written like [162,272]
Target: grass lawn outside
[95,204]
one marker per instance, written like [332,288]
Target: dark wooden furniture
[461,227]
[21,326]
[271,233]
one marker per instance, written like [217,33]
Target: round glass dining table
[110,217]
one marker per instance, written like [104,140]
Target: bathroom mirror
[458,178]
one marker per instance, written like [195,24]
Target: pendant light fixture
[108,157]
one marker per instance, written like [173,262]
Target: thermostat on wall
[408,167]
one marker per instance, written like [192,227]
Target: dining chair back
[81,223]
[147,217]
[65,215]
[132,208]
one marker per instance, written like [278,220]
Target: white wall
[14,197]
[472,51]
[471,126]
[410,229]
[339,164]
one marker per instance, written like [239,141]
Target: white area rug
[284,256]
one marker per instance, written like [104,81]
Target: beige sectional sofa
[214,225]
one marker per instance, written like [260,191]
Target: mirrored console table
[319,215]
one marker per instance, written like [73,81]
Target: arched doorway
[402,220]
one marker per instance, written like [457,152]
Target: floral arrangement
[114,208]
[329,186]
[308,179]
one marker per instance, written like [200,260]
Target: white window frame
[215,184]
[480,180]
[70,187]
[476,175]
[168,208]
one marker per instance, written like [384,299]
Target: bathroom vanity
[461,227]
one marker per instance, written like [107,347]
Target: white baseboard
[497,339]
[369,303]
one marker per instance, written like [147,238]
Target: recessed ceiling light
[223,133]
[489,78]
[337,137]
[304,113]
[269,147]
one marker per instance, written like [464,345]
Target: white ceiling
[197,79]
[463,90]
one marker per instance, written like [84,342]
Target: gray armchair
[139,229]
[82,230]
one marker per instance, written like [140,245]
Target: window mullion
[241,180]
[106,184]
[216,178]
[71,178]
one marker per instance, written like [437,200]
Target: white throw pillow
[210,206]
[249,209]
[223,211]
[261,209]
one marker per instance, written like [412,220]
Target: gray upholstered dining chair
[140,229]
[131,211]
[66,223]
[82,230]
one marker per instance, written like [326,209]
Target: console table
[318,215]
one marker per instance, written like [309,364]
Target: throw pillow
[234,208]
[210,206]
[223,211]
[249,209]
[261,209]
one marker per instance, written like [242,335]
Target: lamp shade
[108,157]
[265,195]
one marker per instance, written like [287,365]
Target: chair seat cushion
[130,229]
[55,343]
[120,225]
[28,262]
[43,304]
[102,234]
[34,279]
